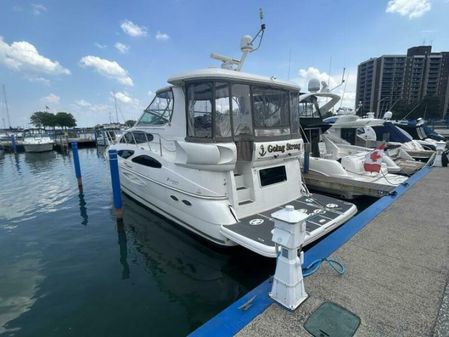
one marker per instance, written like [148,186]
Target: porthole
[186,202]
[174,198]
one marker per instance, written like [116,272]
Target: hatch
[255,232]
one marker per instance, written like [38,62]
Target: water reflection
[83,208]
[40,161]
[25,274]
[192,272]
[123,244]
[17,163]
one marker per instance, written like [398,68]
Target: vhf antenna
[246,46]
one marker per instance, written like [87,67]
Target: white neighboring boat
[370,132]
[37,141]
[217,152]
[335,166]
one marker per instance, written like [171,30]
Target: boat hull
[213,219]
[38,147]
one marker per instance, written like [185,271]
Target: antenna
[342,81]
[344,88]
[6,106]
[246,47]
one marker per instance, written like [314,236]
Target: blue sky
[75,55]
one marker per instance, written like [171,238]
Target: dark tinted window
[147,161]
[125,153]
[127,138]
[142,137]
[272,175]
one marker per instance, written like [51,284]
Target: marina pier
[396,258]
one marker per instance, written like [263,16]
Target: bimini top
[225,74]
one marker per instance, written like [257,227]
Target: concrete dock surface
[397,272]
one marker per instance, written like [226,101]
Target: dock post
[76,162]
[289,235]
[115,179]
[13,143]
[306,157]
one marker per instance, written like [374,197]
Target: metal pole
[76,161]
[306,157]
[115,180]
[13,143]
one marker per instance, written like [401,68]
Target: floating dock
[345,187]
[396,255]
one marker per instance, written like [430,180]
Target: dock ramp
[255,232]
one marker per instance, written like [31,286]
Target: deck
[397,271]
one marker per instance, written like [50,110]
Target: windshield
[160,110]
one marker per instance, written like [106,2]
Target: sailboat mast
[116,111]
[6,106]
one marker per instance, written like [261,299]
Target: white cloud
[125,98]
[122,48]
[110,69]
[51,99]
[162,36]
[346,91]
[411,8]
[100,46]
[132,29]
[83,103]
[38,9]
[151,93]
[23,56]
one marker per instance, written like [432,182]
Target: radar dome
[314,85]
[388,115]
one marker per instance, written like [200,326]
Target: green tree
[42,119]
[130,123]
[65,119]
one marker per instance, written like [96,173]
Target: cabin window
[136,137]
[125,153]
[294,111]
[147,161]
[271,111]
[127,138]
[160,110]
[272,175]
[142,137]
[241,110]
[222,111]
[199,96]
[309,108]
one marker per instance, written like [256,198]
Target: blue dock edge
[232,319]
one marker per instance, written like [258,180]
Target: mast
[116,111]
[6,106]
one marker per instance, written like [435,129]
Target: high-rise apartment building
[418,79]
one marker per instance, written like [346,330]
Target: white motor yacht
[217,152]
[335,166]
[37,141]
[370,132]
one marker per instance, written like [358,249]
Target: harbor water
[67,269]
